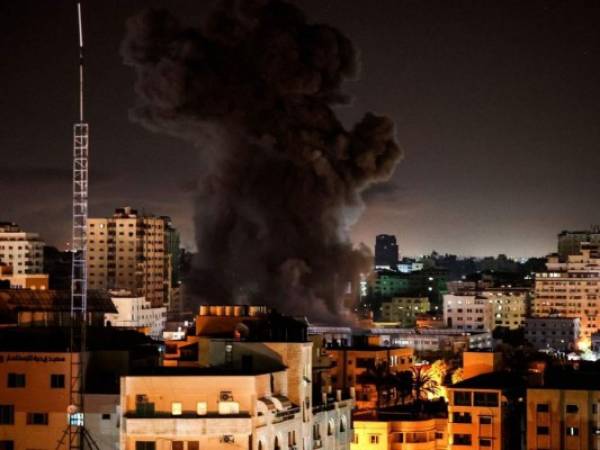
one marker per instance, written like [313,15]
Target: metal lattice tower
[76,429]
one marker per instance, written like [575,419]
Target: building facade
[127,251]
[136,313]
[569,242]
[404,310]
[553,333]
[564,413]
[571,289]
[22,251]
[468,312]
[386,252]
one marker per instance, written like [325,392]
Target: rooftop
[405,413]
[55,339]
[571,379]
[203,371]
[493,380]
[50,300]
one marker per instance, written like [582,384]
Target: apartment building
[564,413]
[553,332]
[22,251]
[127,251]
[471,312]
[400,429]
[483,412]
[351,364]
[404,310]
[34,385]
[251,388]
[136,313]
[571,289]
[510,306]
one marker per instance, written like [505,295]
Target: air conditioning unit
[226,396]
[227,439]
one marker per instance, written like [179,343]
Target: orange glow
[584,344]
[437,372]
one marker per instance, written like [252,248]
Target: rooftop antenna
[76,434]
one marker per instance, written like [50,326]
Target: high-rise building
[127,251]
[569,242]
[23,251]
[468,312]
[571,288]
[404,310]
[386,252]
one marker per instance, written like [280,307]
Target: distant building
[571,288]
[386,252]
[563,412]
[23,251]
[553,333]
[569,242]
[136,313]
[407,265]
[128,251]
[23,281]
[404,310]
[468,312]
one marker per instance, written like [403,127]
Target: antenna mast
[76,427]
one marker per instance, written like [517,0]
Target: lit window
[176,408]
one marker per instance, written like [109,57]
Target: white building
[24,252]
[553,333]
[468,312]
[137,313]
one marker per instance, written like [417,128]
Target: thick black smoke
[254,88]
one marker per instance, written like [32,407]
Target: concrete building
[350,364]
[251,388]
[404,310]
[563,414]
[569,242]
[483,412]
[553,333]
[425,340]
[136,313]
[128,251]
[23,251]
[407,265]
[400,429]
[468,312]
[24,280]
[571,288]
[34,384]
[386,252]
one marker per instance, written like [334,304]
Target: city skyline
[496,127]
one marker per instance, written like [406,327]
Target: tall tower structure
[76,425]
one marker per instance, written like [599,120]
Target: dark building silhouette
[386,251]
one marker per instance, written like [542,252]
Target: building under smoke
[254,87]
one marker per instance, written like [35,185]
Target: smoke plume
[254,87]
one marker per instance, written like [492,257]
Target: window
[355,439]
[543,430]
[7,445]
[57,381]
[16,380]
[177,445]
[459,417]
[485,442]
[37,418]
[542,407]
[595,408]
[572,431]
[7,414]
[572,409]
[105,416]
[439,435]
[485,420]
[461,439]
[193,445]
[462,398]
[373,439]
[145,445]
[485,399]
[176,408]
[343,424]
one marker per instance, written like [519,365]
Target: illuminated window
[176,408]
[201,408]
[572,431]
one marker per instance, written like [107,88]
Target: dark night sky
[496,105]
